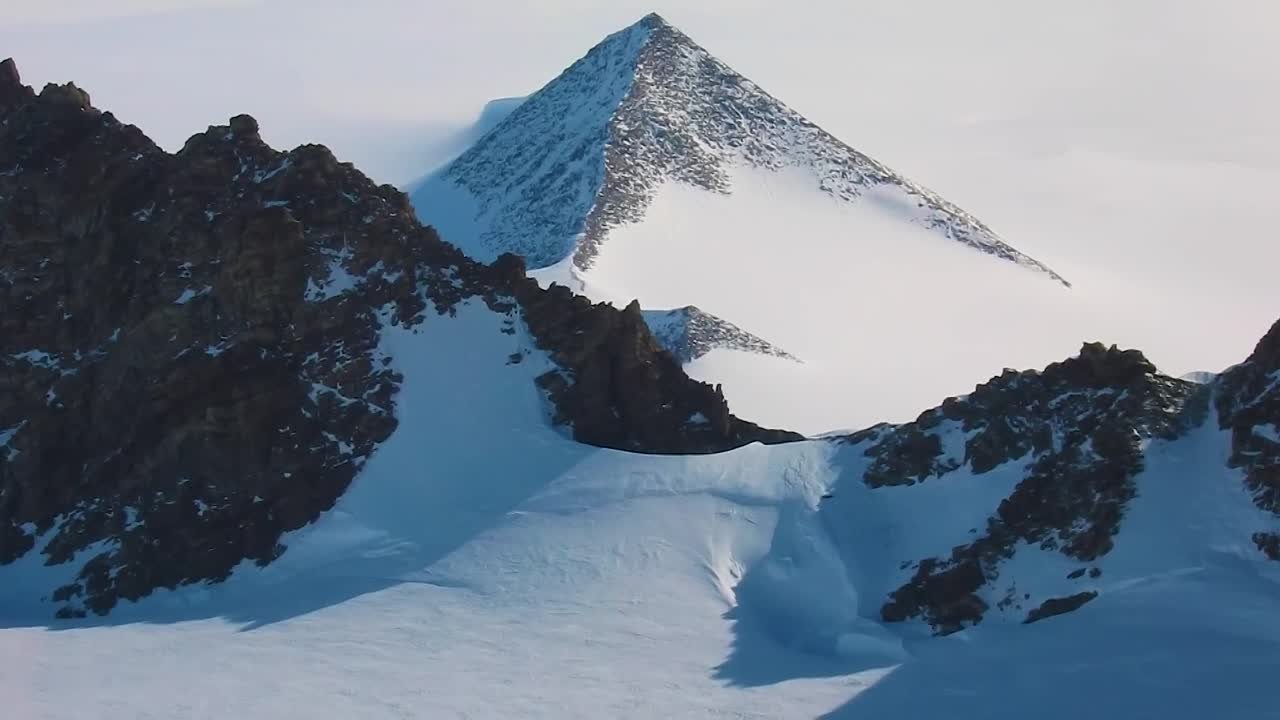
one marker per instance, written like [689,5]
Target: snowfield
[649,170]
[867,302]
[485,566]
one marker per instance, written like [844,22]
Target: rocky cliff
[189,344]
[1248,405]
[1074,438]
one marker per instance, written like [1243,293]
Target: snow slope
[584,154]
[650,170]
[483,565]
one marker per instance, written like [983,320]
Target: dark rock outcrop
[617,387]
[1077,428]
[1059,606]
[189,344]
[1248,404]
[12,91]
[1247,399]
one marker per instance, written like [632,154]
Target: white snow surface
[888,317]
[664,176]
[482,565]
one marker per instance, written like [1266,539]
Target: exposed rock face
[189,344]
[688,333]
[12,91]
[1248,404]
[1060,606]
[618,388]
[1078,428]
[1073,440]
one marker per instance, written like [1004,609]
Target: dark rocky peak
[1074,434]
[1100,366]
[244,126]
[9,76]
[1016,413]
[653,21]
[12,91]
[1267,350]
[1245,385]
[1247,399]
[189,346]
[14,94]
[617,386]
[67,94]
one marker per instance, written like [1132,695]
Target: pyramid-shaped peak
[656,27]
[645,107]
[653,19]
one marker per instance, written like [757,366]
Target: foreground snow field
[1092,539]
[485,566]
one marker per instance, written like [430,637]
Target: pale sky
[1129,142]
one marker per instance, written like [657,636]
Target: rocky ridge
[190,362]
[1076,436]
[1247,400]
[190,367]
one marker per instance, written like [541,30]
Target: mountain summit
[587,153]
[651,170]
[255,418]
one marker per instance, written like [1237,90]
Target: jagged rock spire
[12,91]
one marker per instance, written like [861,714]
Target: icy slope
[883,328]
[483,565]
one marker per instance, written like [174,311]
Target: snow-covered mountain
[589,152]
[222,337]
[271,448]
[649,169]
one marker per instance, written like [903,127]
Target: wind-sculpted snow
[587,153]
